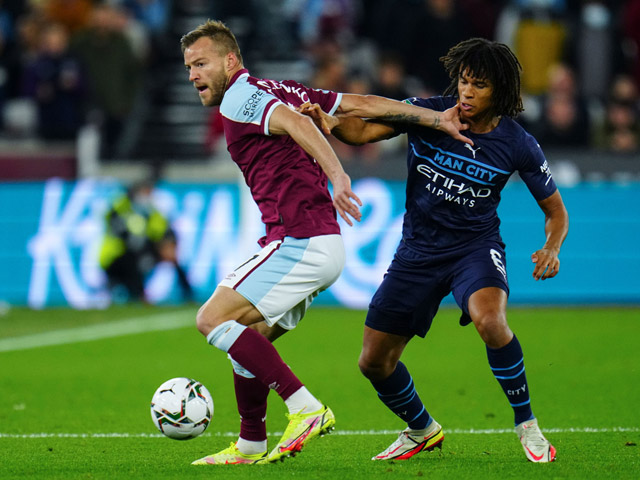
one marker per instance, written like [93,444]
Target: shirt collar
[236,76]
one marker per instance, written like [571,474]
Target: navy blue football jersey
[453,189]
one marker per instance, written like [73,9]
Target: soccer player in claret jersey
[287,164]
[451,240]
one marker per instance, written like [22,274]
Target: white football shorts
[283,278]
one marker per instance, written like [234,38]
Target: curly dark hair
[490,61]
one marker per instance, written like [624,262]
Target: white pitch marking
[131,326]
[336,432]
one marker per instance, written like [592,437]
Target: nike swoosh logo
[537,458]
[301,438]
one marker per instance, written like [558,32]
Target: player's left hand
[547,264]
[342,199]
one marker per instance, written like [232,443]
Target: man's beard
[217,92]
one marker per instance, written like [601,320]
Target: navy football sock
[507,365]
[398,393]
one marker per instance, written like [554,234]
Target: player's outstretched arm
[301,128]
[388,110]
[350,130]
[556,227]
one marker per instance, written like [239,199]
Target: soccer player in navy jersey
[451,240]
[287,163]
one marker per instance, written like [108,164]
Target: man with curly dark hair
[451,239]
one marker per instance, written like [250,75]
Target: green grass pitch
[75,388]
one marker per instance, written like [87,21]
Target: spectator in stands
[7,58]
[28,28]
[137,34]
[537,31]
[419,33]
[330,71]
[113,73]
[56,81]
[73,14]
[620,130]
[19,117]
[565,120]
[631,34]
[151,16]
[389,23]
[6,24]
[137,238]
[391,79]
[441,25]
[483,15]
[624,89]
[363,156]
[15,8]
[596,47]
[319,21]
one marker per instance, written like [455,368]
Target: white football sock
[249,447]
[301,400]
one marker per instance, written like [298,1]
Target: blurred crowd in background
[67,63]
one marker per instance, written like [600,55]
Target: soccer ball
[181,408]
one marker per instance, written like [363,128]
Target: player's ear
[231,61]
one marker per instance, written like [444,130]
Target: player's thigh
[408,298]
[223,305]
[282,280]
[488,301]
[484,267]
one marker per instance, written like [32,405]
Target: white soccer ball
[181,408]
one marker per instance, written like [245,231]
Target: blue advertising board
[51,233]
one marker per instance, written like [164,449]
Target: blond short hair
[217,31]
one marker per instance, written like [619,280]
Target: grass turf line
[582,375]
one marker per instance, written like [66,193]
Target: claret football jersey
[453,189]
[287,184]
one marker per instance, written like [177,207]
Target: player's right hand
[451,124]
[323,121]
[547,263]
[344,198]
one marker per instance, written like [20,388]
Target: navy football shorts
[413,287]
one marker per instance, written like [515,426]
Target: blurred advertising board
[51,233]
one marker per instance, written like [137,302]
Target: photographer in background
[137,238]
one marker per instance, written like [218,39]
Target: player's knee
[366,368]
[206,320]
[493,329]
[374,369]
[201,323]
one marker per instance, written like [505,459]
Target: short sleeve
[534,170]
